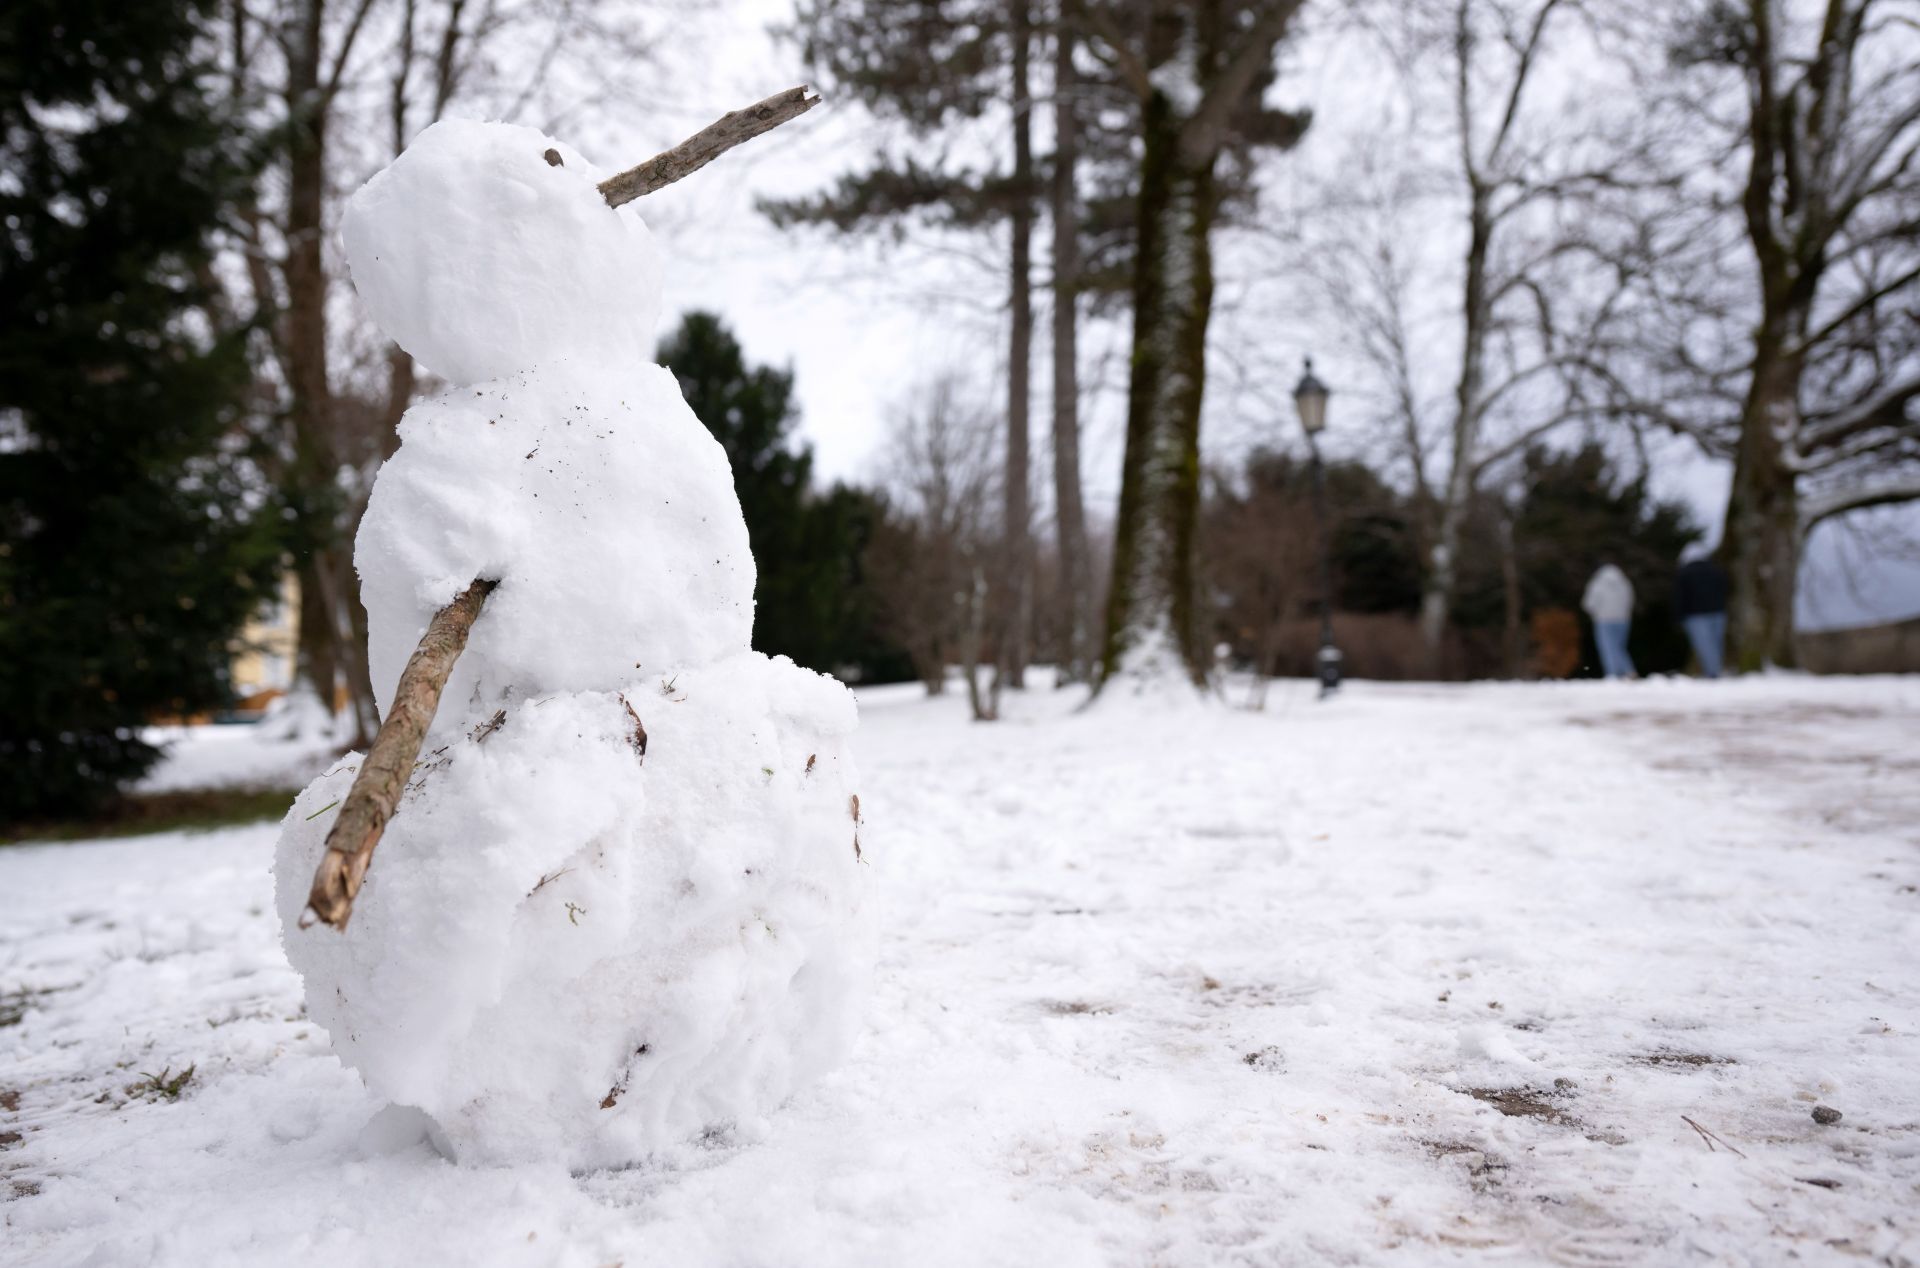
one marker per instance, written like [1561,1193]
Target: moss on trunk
[1152,596]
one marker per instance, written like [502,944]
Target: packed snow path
[1421,975]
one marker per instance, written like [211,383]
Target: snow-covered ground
[242,755]
[1425,974]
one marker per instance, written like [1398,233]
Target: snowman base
[575,951]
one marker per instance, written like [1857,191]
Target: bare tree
[1554,255]
[1824,390]
[1260,550]
[930,557]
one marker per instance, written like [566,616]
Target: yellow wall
[263,653]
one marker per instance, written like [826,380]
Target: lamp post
[1310,399]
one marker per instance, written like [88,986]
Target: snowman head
[485,249]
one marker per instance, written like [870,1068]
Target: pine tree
[128,552]
[939,66]
[1576,514]
[811,601]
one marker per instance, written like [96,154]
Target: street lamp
[1310,399]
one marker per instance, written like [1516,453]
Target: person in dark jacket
[1700,599]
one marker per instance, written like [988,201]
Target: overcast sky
[861,323]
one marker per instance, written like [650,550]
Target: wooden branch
[706,145]
[1891,491]
[383,774]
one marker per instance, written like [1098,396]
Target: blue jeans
[1708,634]
[1611,636]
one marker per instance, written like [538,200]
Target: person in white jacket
[1609,601]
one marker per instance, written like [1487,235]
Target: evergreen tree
[811,601]
[1575,513]
[128,554]
[940,67]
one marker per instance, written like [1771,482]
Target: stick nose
[706,145]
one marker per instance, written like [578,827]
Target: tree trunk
[328,586]
[1070,519]
[1436,591]
[1150,625]
[985,704]
[1016,584]
[1761,540]
[1512,651]
[354,662]
[316,648]
[1443,552]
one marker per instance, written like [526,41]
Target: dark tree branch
[338,73]
[1864,304]
[1522,70]
[1205,133]
[1888,492]
[1883,408]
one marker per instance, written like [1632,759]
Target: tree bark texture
[389,763]
[1761,541]
[316,662]
[1015,601]
[329,588]
[359,670]
[1443,551]
[1512,641]
[304,339]
[1075,598]
[1150,605]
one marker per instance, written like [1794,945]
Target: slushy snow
[621,903]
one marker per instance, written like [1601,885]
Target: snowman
[620,903]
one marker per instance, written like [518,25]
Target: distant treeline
[880,584]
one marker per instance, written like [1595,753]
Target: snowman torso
[620,902]
[601,505]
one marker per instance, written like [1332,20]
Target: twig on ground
[492,724]
[1709,1137]
[639,737]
